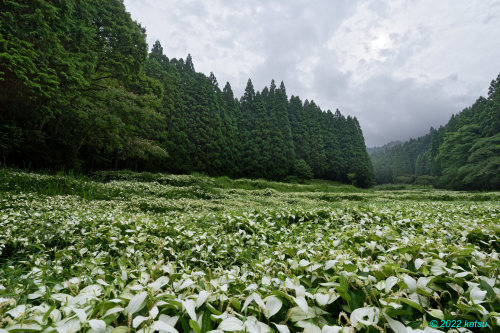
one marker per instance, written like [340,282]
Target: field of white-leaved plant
[125,252]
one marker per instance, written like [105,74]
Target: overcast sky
[399,66]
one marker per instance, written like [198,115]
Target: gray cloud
[399,66]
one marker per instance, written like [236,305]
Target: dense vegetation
[126,252]
[78,90]
[463,154]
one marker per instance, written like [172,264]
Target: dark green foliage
[69,86]
[302,169]
[78,91]
[464,154]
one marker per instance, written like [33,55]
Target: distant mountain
[391,144]
[463,154]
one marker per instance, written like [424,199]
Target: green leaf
[357,299]
[236,304]
[412,304]
[120,329]
[185,324]
[344,286]
[194,325]
[47,314]
[350,267]
[489,291]
[206,322]
[213,310]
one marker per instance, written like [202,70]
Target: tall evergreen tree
[78,90]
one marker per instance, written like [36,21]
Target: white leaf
[202,297]
[231,324]
[462,274]
[490,281]
[331,329]
[251,287]
[290,284]
[169,320]
[183,285]
[366,316]
[113,310]
[25,327]
[329,264]
[436,313]
[68,326]
[297,314]
[258,300]
[138,320]
[438,267]
[153,312]
[411,283]
[273,306]
[162,326]
[94,290]
[300,291]
[63,298]
[124,275]
[222,316]
[160,282]
[251,325]
[302,303]
[82,316]
[97,325]
[37,294]
[18,311]
[311,328]
[418,263]
[282,328]
[304,263]
[390,282]
[55,315]
[102,282]
[189,305]
[314,267]
[136,287]
[266,281]
[322,299]
[423,281]
[247,302]
[333,298]
[477,295]
[396,326]
[136,303]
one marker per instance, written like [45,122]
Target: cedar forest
[80,91]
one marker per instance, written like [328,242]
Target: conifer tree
[79,90]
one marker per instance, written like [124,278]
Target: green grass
[137,251]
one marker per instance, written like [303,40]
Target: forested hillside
[78,90]
[463,154]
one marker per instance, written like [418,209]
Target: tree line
[464,154]
[79,90]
